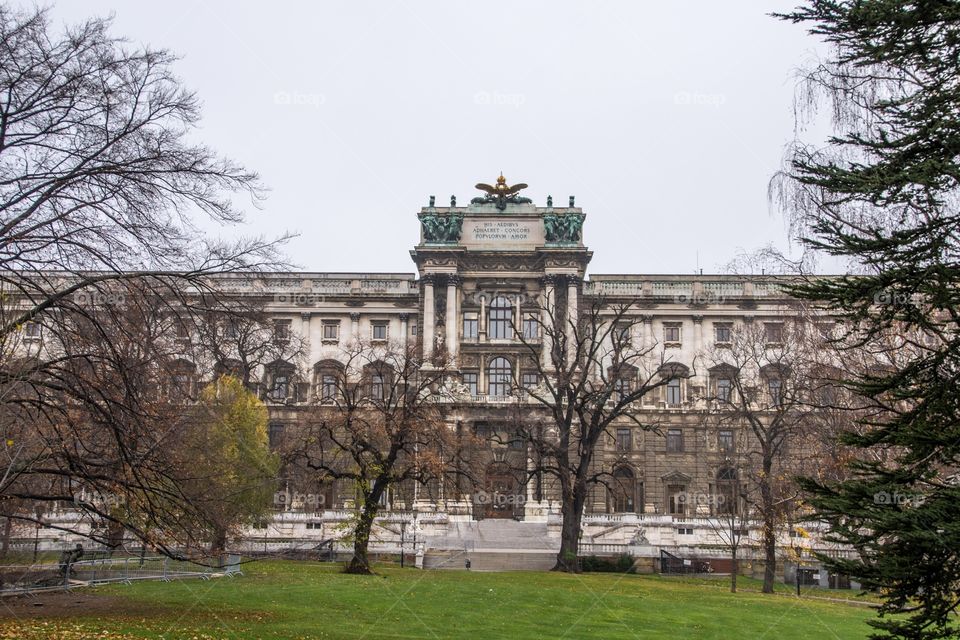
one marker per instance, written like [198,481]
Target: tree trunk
[770,560]
[115,533]
[734,571]
[359,563]
[769,526]
[219,544]
[571,511]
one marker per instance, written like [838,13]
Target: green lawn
[304,600]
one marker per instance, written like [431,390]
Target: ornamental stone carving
[563,228]
[441,229]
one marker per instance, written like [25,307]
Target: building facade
[495,265]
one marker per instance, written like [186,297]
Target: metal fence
[48,576]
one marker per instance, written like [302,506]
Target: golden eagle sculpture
[501,194]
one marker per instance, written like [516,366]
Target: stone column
[426,331]
[698,359]
[355,326]
[647,331]
[547,314]
[482,321]
[452,335]
[482,378]
[572,317]
[305,325]
[518,316]
[404,330]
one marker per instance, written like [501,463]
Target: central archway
[502,495]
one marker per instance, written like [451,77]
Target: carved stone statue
[501,194]
[443,229]
[563,228]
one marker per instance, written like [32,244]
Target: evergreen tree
[883,193]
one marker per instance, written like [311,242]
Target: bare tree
[592,373]
[101,259]
[761,381]
[376,425]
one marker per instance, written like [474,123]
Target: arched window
[623,491]
[280,383]
[183,379]
[722,382]
[329,380]
[500,319]
[499,378]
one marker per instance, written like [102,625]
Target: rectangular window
[674,441]
[31,330]
[529,380]
[725,441]
[413,328]
[677,499]
[472,382]
[624,439]
[331,331]
[275,433]
[378,331]
[776,391]
[671,333]
[183,333]
[722,333]
[328,388]
[531,327]
[281,330]
[376,386]
[500,319]
[773,332]
[621,335]
[230,330]
[724,388]
[622,387]
[471,326]
[673,391]
[281,387]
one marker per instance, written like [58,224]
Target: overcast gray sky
[666,120]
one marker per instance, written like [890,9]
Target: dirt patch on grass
[62,604]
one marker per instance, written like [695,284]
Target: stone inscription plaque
[502,233]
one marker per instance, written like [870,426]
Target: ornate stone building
[495,264]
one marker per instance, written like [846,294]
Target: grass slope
[303,600]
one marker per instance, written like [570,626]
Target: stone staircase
[493,545]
